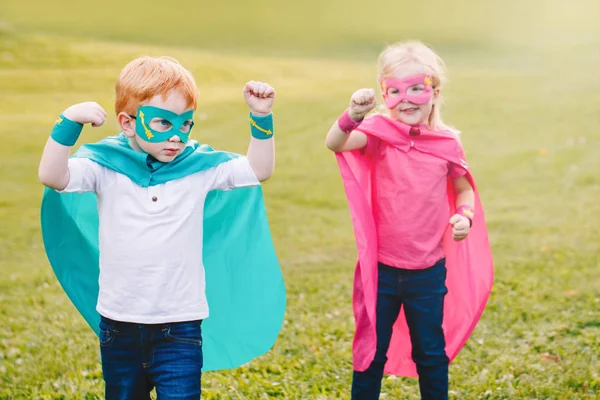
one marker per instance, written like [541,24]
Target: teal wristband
[261,127]
[65,131]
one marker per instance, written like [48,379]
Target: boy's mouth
[171,152]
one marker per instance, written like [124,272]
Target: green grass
[526,98]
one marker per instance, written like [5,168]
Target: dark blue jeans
[421,292]
[138,357]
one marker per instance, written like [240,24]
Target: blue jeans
[138,357]
[421,292]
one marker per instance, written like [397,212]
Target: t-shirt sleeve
[370,150]
[232,174]
[85,176]
[457,170]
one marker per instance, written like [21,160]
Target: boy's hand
[460,227]
[361,102]
[84,113]
[259,96]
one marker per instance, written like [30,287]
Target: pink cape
[469,262]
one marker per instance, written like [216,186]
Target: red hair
[146,77]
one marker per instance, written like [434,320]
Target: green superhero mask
[157,125]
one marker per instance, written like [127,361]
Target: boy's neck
[133,144]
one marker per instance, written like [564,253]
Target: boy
[143,260]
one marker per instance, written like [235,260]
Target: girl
[413,204]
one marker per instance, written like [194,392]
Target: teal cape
[244,284]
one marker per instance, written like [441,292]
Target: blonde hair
[396,56]
[146,77]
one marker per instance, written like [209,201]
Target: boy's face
[172,146]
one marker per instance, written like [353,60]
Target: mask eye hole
[393,92]
[416,89]
[161,125]
[187,126]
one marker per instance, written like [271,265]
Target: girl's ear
[436,95]
[127,124]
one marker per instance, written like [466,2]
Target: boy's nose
[174,138]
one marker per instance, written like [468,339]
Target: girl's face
[418,96]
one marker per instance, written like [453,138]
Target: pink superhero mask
[402,85]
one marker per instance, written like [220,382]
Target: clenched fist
[361,102]
[84,113]
[460,227]
[259,96]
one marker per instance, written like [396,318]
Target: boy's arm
[342,136]
[261,152]
[54,166]
[465,201]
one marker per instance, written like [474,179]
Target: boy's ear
[127,124]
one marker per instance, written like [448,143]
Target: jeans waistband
[403,271]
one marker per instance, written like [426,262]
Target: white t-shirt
[151,268]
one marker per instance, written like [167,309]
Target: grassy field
[525,91]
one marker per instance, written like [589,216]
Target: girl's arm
[464,192]
[338,140]
[343,135]
[465,202]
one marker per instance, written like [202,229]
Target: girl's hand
[460,227]
[361,102]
